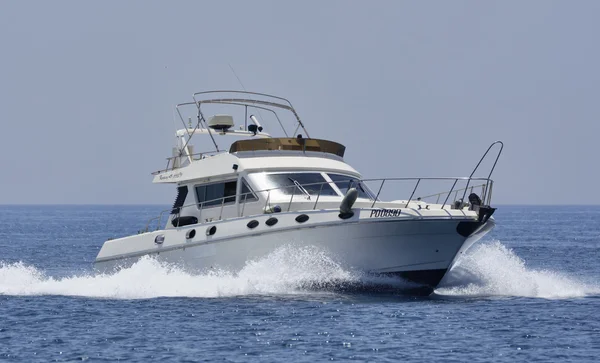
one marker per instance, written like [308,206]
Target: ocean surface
[529,292]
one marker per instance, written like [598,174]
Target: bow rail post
[413,193]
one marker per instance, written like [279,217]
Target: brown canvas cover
[289,143]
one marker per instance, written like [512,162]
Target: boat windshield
[345,182]
[312,184]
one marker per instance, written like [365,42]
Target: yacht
[242,201]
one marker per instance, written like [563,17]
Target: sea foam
[287,270]
[492,269]
[486,270]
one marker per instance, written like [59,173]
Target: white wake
[288,270]
[486,270]
[492,269]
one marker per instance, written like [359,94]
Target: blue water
[529,292]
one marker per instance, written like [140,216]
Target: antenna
[244,88]
[174,121]
[236,76]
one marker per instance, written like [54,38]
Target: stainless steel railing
[242,200]
[472,189]
[172,161]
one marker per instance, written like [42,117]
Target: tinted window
[247,193]
[288,183]
[344,182]
[213,194]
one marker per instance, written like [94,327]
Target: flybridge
[260,113]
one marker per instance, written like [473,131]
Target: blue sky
[411,88]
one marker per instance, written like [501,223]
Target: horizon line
[167,204]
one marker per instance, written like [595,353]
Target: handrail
[488,186]
[449,193]
[480,160]
[287,105]
[378,192]
[413,193]
[444,193]
[243,92]
[169,159]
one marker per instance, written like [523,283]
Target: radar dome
[220,122]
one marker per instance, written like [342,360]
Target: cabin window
[247,193]
[344,182]
[216,194]
[288,183]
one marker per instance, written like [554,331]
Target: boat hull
[421,251]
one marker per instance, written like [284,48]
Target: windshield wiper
[299,186]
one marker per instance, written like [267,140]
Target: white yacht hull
[420,250]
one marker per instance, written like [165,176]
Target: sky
[87,89]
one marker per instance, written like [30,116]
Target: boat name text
[378,213]
[170,176]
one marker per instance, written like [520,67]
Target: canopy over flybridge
[261,115]
[286,143]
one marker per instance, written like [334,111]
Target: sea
[528,292]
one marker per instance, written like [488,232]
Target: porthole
[211,230]
[302,218]
[190,234]
[271,221]
[252,224]
[159,239]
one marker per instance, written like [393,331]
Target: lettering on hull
[382,213]
[170,176]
